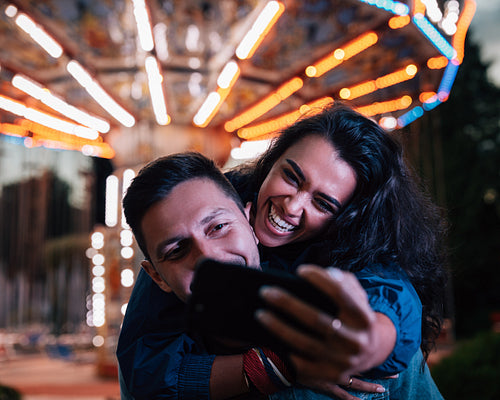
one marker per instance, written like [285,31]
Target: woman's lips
[278,223]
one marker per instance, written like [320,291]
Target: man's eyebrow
[301,175]
[296,168]
[213,214]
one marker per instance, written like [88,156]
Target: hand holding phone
[225,298]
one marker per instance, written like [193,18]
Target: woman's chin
[270,239]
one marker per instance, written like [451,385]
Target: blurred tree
[472,371]
[466,130]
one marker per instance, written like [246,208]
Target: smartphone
[224,299]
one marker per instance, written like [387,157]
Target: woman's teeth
[278,223]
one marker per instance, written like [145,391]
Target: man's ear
[151,270]
[247,209]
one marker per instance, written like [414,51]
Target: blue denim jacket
[414,383]
[391,293]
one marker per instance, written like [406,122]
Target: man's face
[197,220]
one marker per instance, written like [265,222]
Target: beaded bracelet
[266,371]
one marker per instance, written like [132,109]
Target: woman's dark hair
[390,218]
[156,180]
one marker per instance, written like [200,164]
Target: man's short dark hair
[156,180]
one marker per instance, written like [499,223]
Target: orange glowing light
[399,21]
[358,90]
[425,96]
[463,23]
[12,130]
[311,71]
[439,62]
[39,135]
[344,93]
[340,55]
[382,82]
[385,106]
[418,7]
[396,77]
[263,106]
[271,128]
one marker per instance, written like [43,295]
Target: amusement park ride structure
[88,75]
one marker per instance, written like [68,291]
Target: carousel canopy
[72,71]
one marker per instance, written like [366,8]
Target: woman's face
[302,193]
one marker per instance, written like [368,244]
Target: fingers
[355,314]
[308,370]
[331,389]
[343,394]
[345,289]
[298,340]
[341,391]
[332,340]
[370,387]
[314,319]
[341,345]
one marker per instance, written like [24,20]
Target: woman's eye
[323,205]
[291,176]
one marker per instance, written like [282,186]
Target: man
[175,227]
[181,209]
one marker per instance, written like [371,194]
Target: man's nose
[204,249]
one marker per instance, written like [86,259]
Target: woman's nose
[294,204]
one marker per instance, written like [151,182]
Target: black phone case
[225,297]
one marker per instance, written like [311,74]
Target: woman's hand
[341,392]
[354,341]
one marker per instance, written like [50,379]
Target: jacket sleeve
[163,367]
[157,359]
[391,293]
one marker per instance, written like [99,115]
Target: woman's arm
[356,340]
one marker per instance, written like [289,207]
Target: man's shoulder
[150,310]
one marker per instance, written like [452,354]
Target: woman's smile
[279,223]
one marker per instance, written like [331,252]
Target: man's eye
[219,228]
[171,254]
[175,252]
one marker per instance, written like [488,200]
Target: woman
[388,218]
[387,221]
